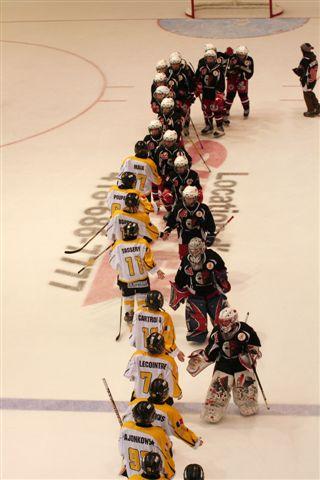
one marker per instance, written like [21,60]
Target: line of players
[176,85]
[201,281]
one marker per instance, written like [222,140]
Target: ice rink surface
[75,99]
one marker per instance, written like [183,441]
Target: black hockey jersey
[211,78]
[182,82]
[165,156]
[177,183]
[307,70]
[152,143]
[172,121]
[209,280]
[241,69]
[191,222]
[225,351]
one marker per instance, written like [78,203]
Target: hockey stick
[246,319]
[92,260]
[224,225]
[90,239]
[115,409]
[258,380]
[120,322]
[208,168]
[194,128]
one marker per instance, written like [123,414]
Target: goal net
[233,8]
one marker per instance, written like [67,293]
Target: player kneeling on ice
[202,280]
[152,318]
[145,366]
[167,416]
[234,348]
[139,437]
[193,472]
[132,259]
[152,467]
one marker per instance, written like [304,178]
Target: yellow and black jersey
[144,169]
[121,217]
[116,199]
[144,367]
[139,477]
[147,321]
[135,442]
[168,418]
[132,260]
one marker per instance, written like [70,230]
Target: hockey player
[210,81]
[181,81]
[140,437]
[202,279]
[154,138]
[143,367]
[191,219]
[117,194]
[171,117]
[152,318]
[239,72]
[143,167]
[132,259]
[158,95]
[233,347]
[176,181]
[167,416]
[152,467]
[307,73]
[193,471]
[166,153]
[131,213]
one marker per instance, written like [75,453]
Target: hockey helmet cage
[128,179]
[160,77]
[130,231]
[167,103]
[227,318]
[241,50]
[152,464]
[154,124]
[144,413]
[170,136]
[159,390]
[196,248]
[193,472]
[180,162]
[154,300]
[210,53]
[162,90]
[161,65]
[155,343]
[190,192]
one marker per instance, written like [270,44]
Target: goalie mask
[196,249]
[228,317]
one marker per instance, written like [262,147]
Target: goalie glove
[178,295]
[250,357]
[198,361]
[298,71]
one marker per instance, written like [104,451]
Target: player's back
[145,322]
[128,256]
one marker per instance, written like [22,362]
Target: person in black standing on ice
[307,73]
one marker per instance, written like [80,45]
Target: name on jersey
[138,167]
[137,439]
[145,363]
[143,318]
[118,196]
[131,249]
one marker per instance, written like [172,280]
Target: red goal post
[267,7]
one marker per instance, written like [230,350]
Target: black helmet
[130,231]
[154,300]
[141,149]
[159,390]
[155,343]
[144,413]
[152,463]
[193,472]
[132,200]
[306,47]
[128,179]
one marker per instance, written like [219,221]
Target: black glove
[298,71]
[210,239]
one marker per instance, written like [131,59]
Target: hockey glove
[209,240]
[198,361]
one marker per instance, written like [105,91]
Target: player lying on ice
[234,348]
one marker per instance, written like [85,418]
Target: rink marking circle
[74,117]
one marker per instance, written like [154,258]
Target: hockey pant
[310,98]
[213,108]
[197,309]
[245,394]
[131,292]
[241,87]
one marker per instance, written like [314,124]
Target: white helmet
[160,77]
[163,90]
[210,53]
[175,57]
[227,318]
[209,46]
[241,50]
[196,247]
[181,161]
[167,103]
[190,192]
[161,65]
[154,124]
[170,136]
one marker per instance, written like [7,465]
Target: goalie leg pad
[218,397]
[177,295]
[196,319]
[245,392]
[215,305]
